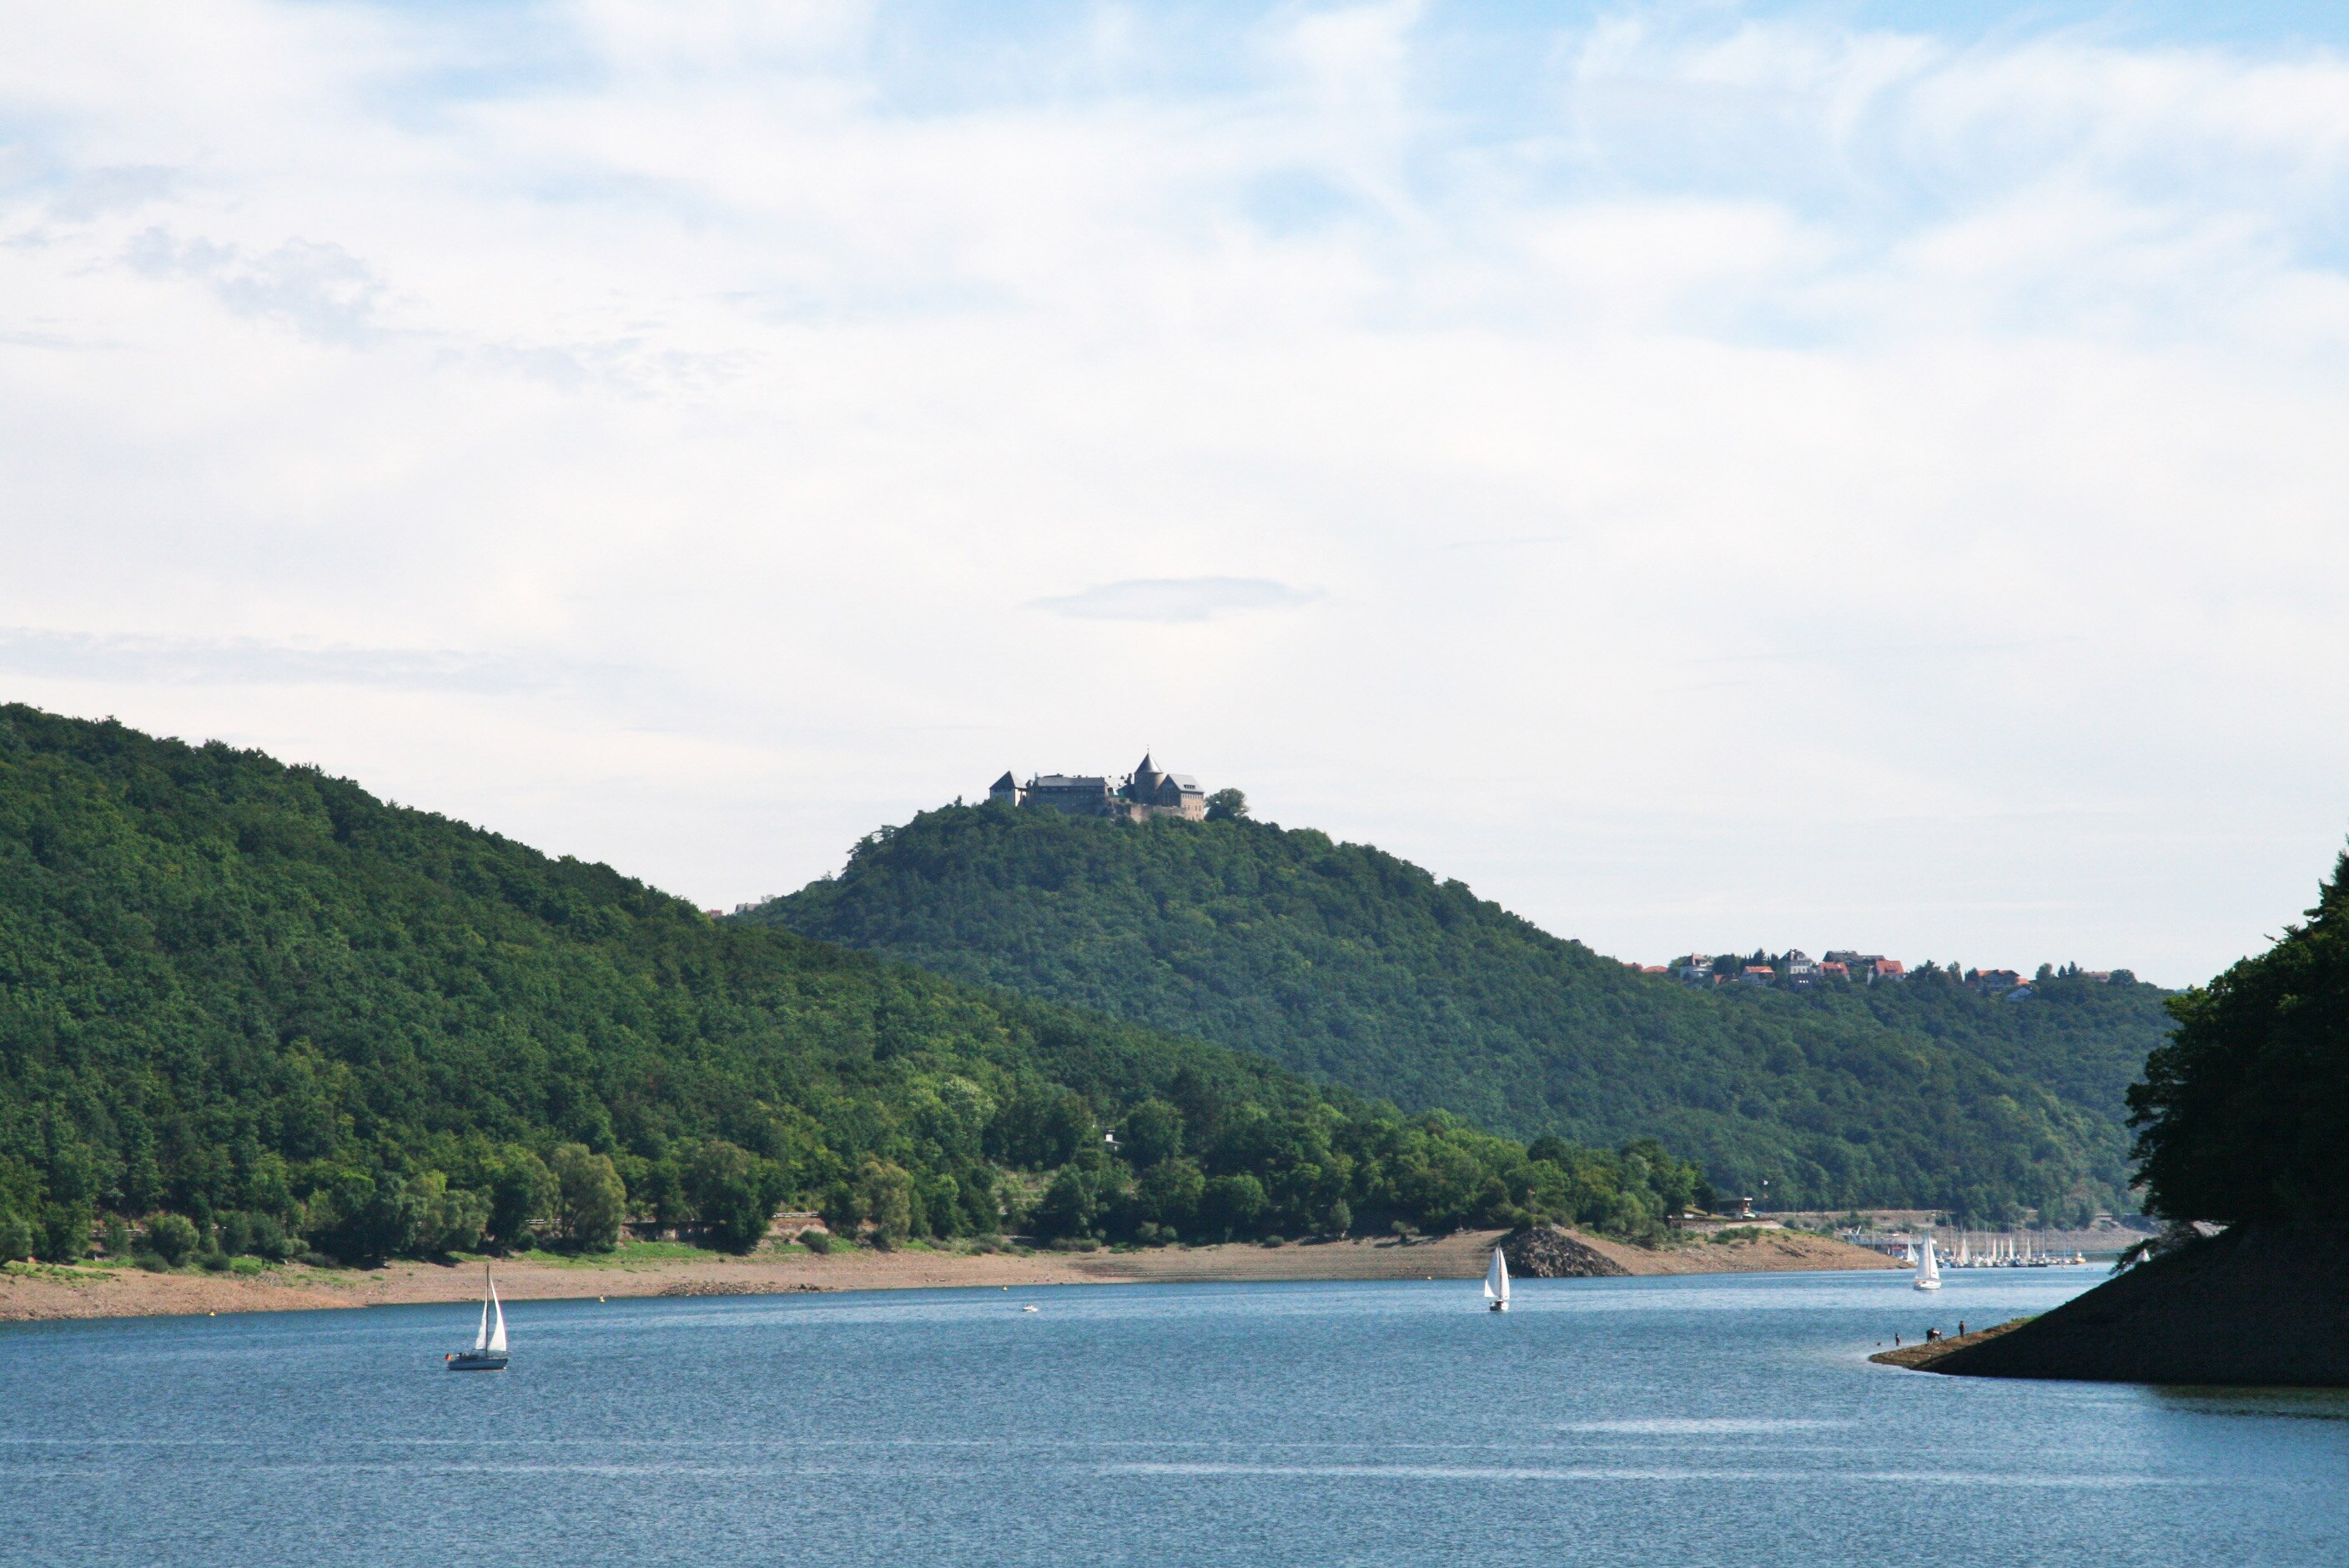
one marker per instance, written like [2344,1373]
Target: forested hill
[1361,969]
[248,1008]
[2246,1108]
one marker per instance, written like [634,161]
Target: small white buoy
[1028,1309]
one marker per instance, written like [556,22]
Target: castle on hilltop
[1141,795]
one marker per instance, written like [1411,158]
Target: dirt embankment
[132,1293]
[2258,1306]
[1923,1355]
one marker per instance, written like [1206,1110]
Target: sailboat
[489,1351]
[1496,1283]
[1928,1270]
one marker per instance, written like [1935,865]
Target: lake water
[1683,1422]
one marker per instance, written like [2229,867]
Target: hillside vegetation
[248,1007]
[1361,969]
[2245,1113]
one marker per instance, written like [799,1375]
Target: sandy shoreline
[95,1292]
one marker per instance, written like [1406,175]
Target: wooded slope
[1347,964]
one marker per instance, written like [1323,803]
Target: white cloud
[1173,601]
[245,661]
[320,291]
[1822,483]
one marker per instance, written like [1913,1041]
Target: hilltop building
[1793,967]
[1138,795]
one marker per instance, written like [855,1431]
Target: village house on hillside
[1138,795]
[1794,968]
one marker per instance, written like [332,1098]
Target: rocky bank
[1548,1253]
[2257,1306]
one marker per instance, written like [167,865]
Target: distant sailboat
[1496,1283]
[489,1351]
[1928,1270]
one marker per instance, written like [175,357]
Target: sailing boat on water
[489,1351]
[1929,1269]
[1496,1283]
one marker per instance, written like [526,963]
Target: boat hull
[476,1361]
[1500,1306]
[1928,1284]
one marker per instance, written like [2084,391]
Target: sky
[1706,475]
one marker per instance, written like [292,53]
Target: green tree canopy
[2244,1114]
[1357,968]
[260,999]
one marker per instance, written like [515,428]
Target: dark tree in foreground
[2244,1114]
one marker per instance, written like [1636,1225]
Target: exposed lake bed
[1694,1419]
[665,1271]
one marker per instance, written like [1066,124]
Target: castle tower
[1146,778]
[1005,789]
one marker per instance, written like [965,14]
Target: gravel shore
[110,1291]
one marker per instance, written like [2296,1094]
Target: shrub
[15,1237]
[65,1231]
[1232,1204]
[815,1241]
[733,1193]
[447,1219]
[270,1240]
[217,1263]
[172,1238]
[593,1198]
[523,1193]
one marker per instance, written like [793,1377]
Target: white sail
[498,1333]
[1496,1279]
[482,1334]
[1928,1270]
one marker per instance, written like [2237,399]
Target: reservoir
[1689,1420]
